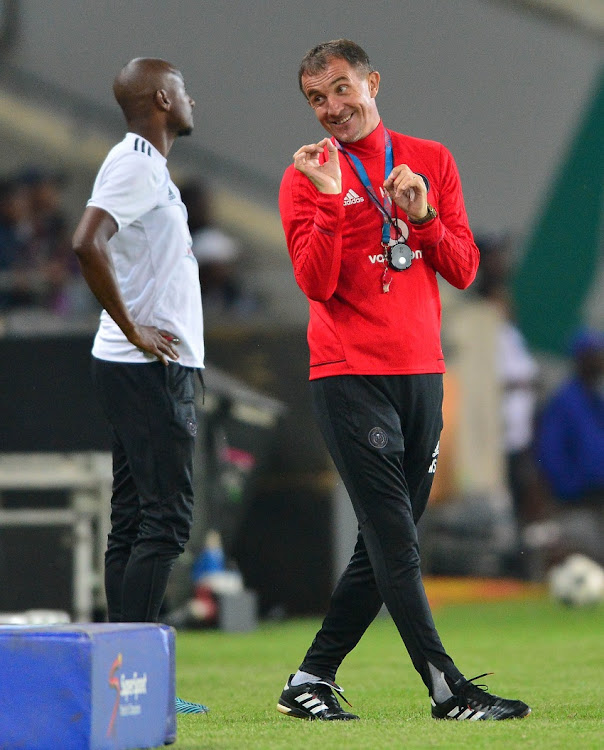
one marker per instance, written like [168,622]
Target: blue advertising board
[87,687]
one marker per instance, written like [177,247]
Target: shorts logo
[192,426]
[377,437]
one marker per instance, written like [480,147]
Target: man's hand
[408,191]
[156,341]
[326,177]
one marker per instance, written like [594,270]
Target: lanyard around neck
[357,167]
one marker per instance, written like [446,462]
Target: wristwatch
[431,214]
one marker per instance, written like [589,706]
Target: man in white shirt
[134,249]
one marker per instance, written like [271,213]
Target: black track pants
[151,410]
[383,434]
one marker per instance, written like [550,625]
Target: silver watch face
[400,256]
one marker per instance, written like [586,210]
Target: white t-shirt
[518,372]
[156,270]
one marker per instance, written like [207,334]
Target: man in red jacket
[370,217]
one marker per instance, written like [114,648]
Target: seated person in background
[37,267]
[570,449]
[14,231]
[217,254]
[48,264]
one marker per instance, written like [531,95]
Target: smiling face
[343,98]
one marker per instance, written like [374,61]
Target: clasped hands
[406,188]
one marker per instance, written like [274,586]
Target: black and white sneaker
[473,703]
[313,700]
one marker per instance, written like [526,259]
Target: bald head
[136,84]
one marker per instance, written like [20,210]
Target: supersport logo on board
[125,688]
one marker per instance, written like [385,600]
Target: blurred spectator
[14,231]
[570,449]
[518,375]
[518,378]
[38,269]
[47,263]
[218,255]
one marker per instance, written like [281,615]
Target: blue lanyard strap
[357,167]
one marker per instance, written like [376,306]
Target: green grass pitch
[549,656]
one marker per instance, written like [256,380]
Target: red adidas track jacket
[334,243]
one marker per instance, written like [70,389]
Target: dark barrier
[288,521]
[46,398]
[265,479]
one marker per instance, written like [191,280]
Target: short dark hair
[317,58]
